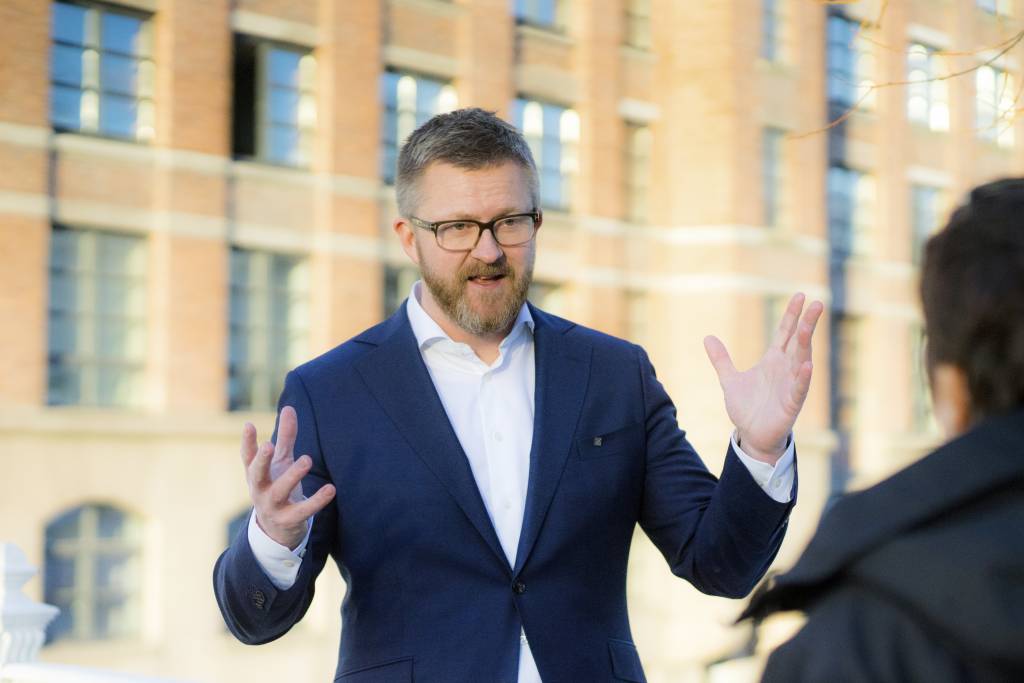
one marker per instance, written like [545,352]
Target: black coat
[920,578]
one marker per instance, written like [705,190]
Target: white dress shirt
[491,410]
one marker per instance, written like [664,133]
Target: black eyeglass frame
[537,215]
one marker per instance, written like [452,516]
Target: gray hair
[468,138]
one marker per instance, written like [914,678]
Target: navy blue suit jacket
[431,596]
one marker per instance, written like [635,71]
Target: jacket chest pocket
[617,442]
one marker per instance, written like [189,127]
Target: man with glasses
[476,467]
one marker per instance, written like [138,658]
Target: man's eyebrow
[466,215]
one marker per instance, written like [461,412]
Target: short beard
[452,296]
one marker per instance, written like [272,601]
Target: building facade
[197,195]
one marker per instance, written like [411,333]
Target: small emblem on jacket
[598,440]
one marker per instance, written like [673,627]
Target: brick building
[195,195]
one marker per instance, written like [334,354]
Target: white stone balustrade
[22,621]
[23,630]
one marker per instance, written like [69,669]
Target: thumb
[719,357]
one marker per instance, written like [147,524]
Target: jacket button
[518,587]
[258,599]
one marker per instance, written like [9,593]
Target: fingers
[789,322]
[315,503]
[289,479]
[287,428]
[259,469]
[801,351]
[719,357]
[802,384]
[249,446]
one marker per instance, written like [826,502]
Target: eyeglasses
[464,234]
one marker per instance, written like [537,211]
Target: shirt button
[777,485]
[518,587]
[507,504]
[497,436]
[289,563]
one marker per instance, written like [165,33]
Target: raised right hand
[275,482]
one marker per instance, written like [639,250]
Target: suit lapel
[562,371]
[398,378]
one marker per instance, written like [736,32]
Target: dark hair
[468,138]
[972,290]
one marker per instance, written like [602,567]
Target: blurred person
[921,577]
[475,467]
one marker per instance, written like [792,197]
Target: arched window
[92,573]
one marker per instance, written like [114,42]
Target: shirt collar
[428,331]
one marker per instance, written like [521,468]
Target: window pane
[118,74]
[64,384]
[282,144]
[66,65]
[117,115]
[68,23]
[283,105]
[114,386]
[66,107]
[283,67]
[120,33]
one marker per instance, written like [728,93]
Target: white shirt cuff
[280,564]
[775,480]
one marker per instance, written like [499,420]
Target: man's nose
[487,248]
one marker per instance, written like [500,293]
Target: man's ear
[407,238]
[951,398]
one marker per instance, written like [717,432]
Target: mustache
[487,270]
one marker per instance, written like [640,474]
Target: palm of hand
[764,401]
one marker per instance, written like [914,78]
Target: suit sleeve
[253,608]
[855,636]
[719,534]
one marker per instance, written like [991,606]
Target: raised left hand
[764,401]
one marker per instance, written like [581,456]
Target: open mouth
[486,279]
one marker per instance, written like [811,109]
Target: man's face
[481,290]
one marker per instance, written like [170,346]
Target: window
[772,175]
[274,102]
[924,217]
[638,172]
[546,13]
[101,71]
[408,101]
[397,285]
[97,318]
[851,64]
[1000,7]
[638,24]
[851,209]
[553,133]
[927,94]
[269,326]
[770,24]
[92,573]
[846,338]
[996,111]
